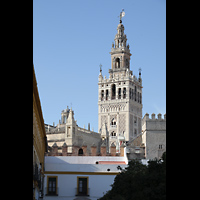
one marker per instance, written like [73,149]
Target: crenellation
[82,150]
[159,117]
[154,135]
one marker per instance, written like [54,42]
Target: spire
[120,37]
[70,118]
[140,72]
[100,67]
[120,52]
[140,79]
[100,74]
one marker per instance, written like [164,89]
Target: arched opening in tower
[113,91]
[117,63]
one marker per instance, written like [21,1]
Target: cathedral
[71,162]
[120,121]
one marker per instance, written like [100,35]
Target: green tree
[140,182]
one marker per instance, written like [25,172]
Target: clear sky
[72,38]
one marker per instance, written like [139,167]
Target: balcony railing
[113,126]
[82,193]
[37,175]
[51,191]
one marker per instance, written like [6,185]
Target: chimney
[88,126]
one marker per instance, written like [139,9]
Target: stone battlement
[159,117]
[154,123]
[78,150]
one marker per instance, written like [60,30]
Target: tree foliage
[140,182]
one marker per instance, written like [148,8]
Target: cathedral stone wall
[154,135]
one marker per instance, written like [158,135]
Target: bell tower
[120,53]
[120,95]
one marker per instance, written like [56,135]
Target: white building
[80,177]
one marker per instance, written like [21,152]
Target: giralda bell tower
[120,95]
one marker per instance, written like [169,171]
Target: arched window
[102,95]
[119,93]
[113,90]
[80,152]
[135,93]
[113,134]
[117,63]
[124,93]
[106,94]
[127,63]
[130,93]
[113,121]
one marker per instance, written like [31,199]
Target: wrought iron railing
[82,193]
[51,191]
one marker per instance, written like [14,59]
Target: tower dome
[120,26]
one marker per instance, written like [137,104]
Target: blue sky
[72,38]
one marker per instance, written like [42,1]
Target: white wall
[98,185]
[71,167]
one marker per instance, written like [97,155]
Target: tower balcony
[113,126]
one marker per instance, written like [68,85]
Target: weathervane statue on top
[122,13]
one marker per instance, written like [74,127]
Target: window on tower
[119,93]
[102,95]
[124,93]
[68,131]
[113,134]
[113,89]
[106,94]
[117,63]
[127,63]
[135,93]
[135,132]
[113,122]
